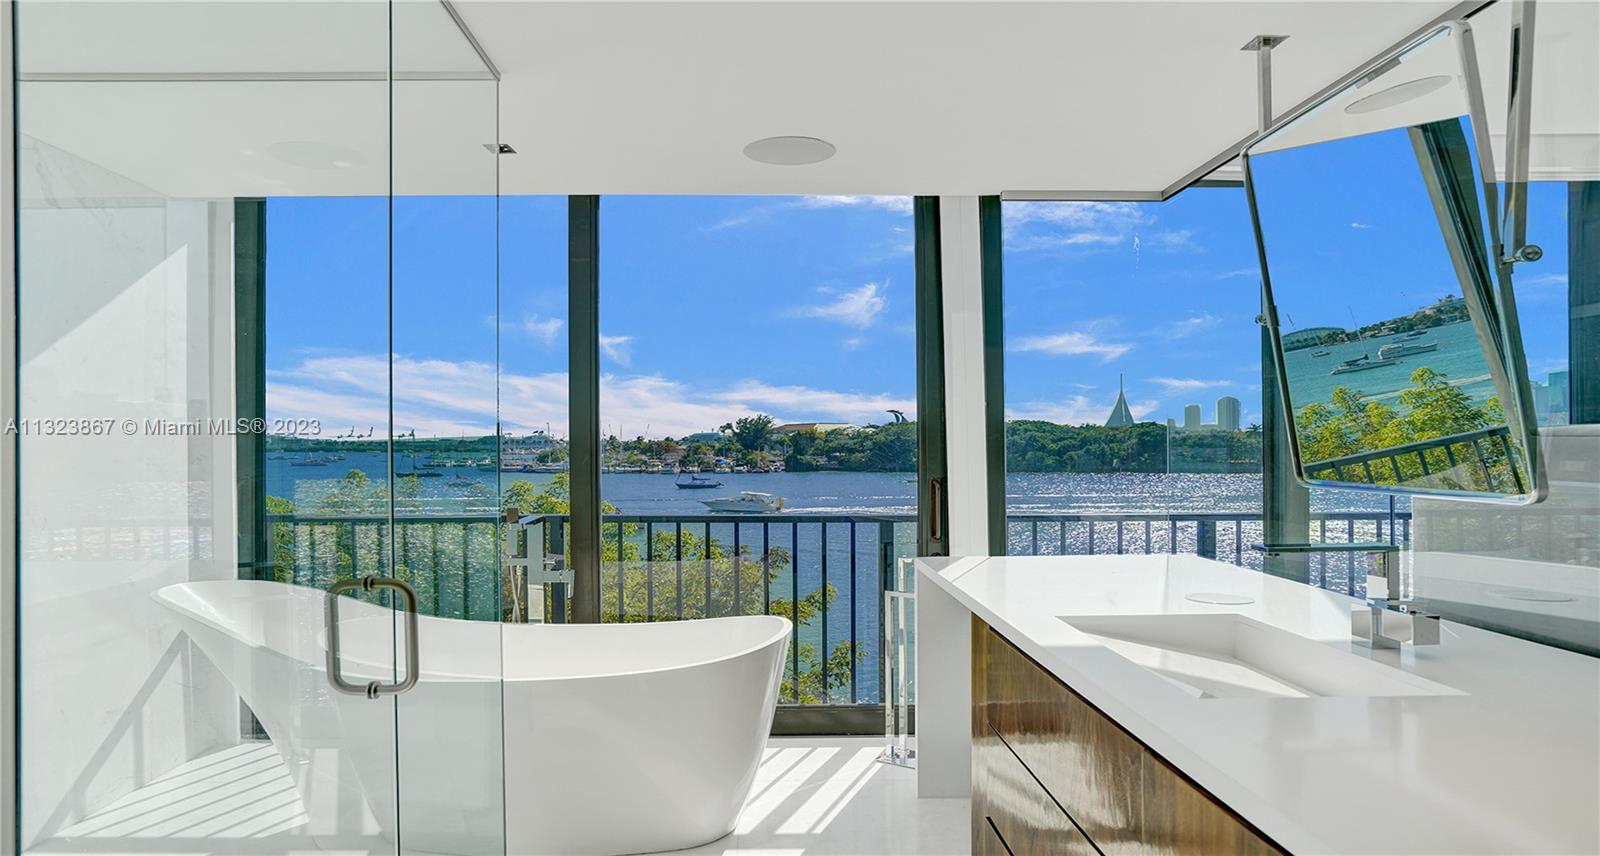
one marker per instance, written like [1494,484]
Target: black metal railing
[1472,460]
[1226,537]
[451,560]
[827,573]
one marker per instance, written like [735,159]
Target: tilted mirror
[1390,307]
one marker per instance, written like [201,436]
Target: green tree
[1429,409]
[750,433]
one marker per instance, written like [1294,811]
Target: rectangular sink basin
[1232,656]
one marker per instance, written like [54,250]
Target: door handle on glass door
[372,689]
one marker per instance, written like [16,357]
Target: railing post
[1206,538]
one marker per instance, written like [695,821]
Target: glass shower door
[203,316]
[445,454]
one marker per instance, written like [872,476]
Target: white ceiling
[661,97]
[919,97]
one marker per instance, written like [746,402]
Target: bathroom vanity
[1173,704]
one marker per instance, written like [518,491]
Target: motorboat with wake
[1405,349]
[747,502]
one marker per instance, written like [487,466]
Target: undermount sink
[1232,656]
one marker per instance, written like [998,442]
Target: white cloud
[852,343]
[1072,343]
[1193,324]
[1077,410]
[857,308]
[1174,239]
[807,404]
[760,213]
[1188,384]
[443,398]
[1046,225]
[751,216]
[616,347]
[894,204]
[1239,272]
[434,396]
[1360,225]
[543,330]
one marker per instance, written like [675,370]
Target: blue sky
[715,307]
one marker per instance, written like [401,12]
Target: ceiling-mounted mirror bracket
[1519,113]
[1262,46]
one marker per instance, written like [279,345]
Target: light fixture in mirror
[1396,340]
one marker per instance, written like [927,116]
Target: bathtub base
[577,740]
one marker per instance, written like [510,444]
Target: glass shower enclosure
[249,235]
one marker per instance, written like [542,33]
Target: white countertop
[1510,765]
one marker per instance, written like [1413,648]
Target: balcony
[826,572]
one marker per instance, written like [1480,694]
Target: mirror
[1395,333]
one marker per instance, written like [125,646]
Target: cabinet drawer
[1016,809]
[1090,766]
[1123,797]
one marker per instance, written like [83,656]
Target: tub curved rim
[786,627]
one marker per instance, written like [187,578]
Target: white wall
[124,304]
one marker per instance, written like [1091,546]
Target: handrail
[1419,449]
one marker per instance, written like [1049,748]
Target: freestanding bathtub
[585,739]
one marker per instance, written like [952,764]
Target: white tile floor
[812,797]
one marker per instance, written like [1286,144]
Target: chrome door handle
[372,689]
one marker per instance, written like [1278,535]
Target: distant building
[1228,413]
[1121,416]
[1552,399]
[1560,389]
[1172,424]
[1309,336]
[1191,416]
[808,427]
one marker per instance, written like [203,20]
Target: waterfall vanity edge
[1053,775]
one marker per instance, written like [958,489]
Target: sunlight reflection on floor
[811,797]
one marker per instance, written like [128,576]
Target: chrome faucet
[1389,620]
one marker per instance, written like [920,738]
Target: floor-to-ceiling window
[757,409]
[1133,382]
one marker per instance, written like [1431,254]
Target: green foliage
[890,448]
[750,433]
[1429,409]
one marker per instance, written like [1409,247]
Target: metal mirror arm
[1519,114]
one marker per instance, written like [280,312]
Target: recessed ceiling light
[1400,93]
[790,151]
[308,154]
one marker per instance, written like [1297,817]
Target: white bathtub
[595,739]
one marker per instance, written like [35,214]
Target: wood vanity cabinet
[1053,775]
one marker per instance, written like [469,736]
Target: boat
[747,502]
[697,482]
[1415,333]
[1320,353]
[1361,364]
[1405,349]
[310,461]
